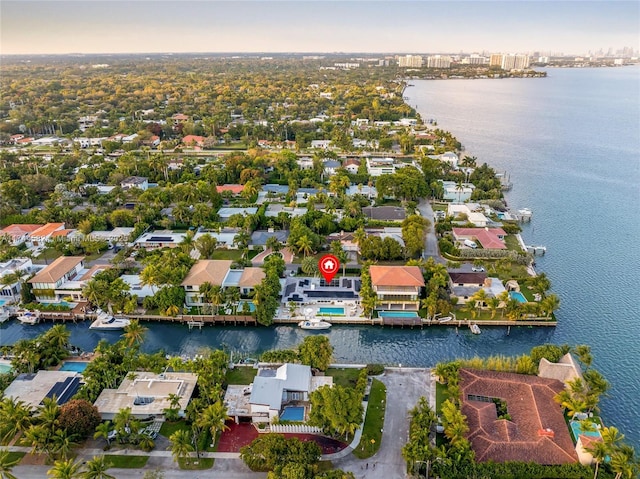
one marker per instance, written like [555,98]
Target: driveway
[404,387]
[431,241]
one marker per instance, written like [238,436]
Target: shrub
[79,417]
[375,369]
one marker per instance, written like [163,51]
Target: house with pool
[281,392]
[398,287]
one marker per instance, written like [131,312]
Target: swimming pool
[576,429]
[397,314]
[3,302]
[518,296]
[252,306]
[326,311]
[4,368]
[77,366]
[291,413]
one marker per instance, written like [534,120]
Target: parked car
[477,269]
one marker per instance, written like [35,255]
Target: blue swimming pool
[291,413]
[326,311]
[252,306]
[518,296]
[5,368]
[3,302]
[77,366]
[397,314]
[576,429]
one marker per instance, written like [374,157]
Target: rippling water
[570,143]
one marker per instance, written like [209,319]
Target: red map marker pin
[328,266]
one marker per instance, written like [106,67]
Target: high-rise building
[495,60]
[439,61]
[410,61]
[510,61]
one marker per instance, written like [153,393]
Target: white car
[477,269]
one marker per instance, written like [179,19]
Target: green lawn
[49,254]
[512,243]
[193,464]
[347,377]
[15,456]
[241,375]
[373,423]
[168,427]
[442,394]
[232,254]
[127,462]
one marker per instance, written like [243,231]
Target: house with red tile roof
[534,430]
[19,234]
[235,190]
[397,287]
[193,141]
[70,235]
[40,236]
[489,238]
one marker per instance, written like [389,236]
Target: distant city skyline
[139,26]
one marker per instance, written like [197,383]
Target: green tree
[102,430]
[213,418]
[65,469]
[7,464]
[79,418]
[96,468]
[134,333]
[180,444]
[206,246]
[316,351]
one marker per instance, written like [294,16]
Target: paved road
[404,387]
[431,241]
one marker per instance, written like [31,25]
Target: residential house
[489,238]
[331,166]
[260,237]
[380,166]
[120,234]
[272,390]
[68,235]
[364,190]
[250,278]
[135,182]
[233,190]
[225,237]
[10,292]
[397,287]
[192,141]
[19,233]
[179,118]
[352,166]
[305,163]
[225,213]
[463,285]
[347,241]
[274,209]
[320,144]
[32,389]
[535,430]
[159,239]
[46,282]
[384,213]
[147,394]
[450,158]
[41,236]
[455,192]
[204,271]
[468,211]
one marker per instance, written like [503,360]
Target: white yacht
[314,324]
[108,322]
[5,313]
[29,317]
[475,329]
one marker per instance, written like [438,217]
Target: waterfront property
[33,388]
[76,366]
[489,238]
[273,393]
[147,394]
[51,278]
[397,287]
[534,429]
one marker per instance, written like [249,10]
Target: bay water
[571,146]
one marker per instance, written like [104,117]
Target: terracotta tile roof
[208,270]
[251,277]
[532,409]
[91,272]
[193,139]
[488,237]
[396,276]
[19,230]
[47,230]
[61,233]
[235,189]
[57,269]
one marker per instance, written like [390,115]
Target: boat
[444,319]
[108,322]
[475,329]
[314,324]
[29,317]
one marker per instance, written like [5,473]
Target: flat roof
[33,388]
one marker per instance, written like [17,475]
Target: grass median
[373,423]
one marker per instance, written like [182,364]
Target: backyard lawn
[241,375]
[347,377]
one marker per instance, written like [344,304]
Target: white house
[10,292]
[380,166]
[455,192]
[320,144]
[135,182]
[331,166]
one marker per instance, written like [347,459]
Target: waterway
[571,144]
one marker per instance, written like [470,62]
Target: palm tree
[599,451]
[232,295]
[217,296]
[172,310]
[304,245]
[134,333]
[480,296]
[472,307]
[48,414]
[58,336]
[7,464]
[274,244]
[213,418]
[583,352]
[623,462]
[15,415]
[61,443]
[122,421]
[102,430]
[180,444]
[611,436]
[309,266]
[65,469]
[550,304]
[493,304]
[540,284]
[187,243]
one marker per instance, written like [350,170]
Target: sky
[420,26]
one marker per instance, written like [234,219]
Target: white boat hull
[28,317]
[106,322]
[314,325]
